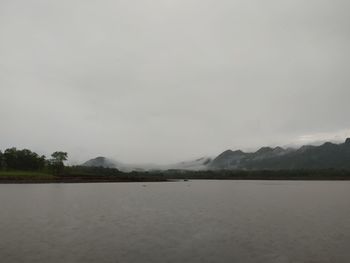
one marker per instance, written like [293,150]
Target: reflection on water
[195,221]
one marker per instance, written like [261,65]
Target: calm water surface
[195,221]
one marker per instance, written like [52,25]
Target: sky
[164,81]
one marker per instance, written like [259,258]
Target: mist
[166,81]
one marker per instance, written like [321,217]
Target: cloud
[317,138]
[163,81]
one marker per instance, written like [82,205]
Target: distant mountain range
[325,156]
[194,165]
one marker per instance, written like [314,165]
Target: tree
[57,161]
[1,160]
[25,159]
[10,157]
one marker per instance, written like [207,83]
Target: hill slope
[326,156]
[195,165]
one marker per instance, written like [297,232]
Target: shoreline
[109,180]
[67,181]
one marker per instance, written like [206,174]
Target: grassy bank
[25,175]
[78,174]
[95,175]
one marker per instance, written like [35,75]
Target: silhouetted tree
[10,158]
[1,160]
[22,160]
[57,162]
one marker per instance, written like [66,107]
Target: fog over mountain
[192,165]
[325,156]
[165,81]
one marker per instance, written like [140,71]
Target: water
[195,221]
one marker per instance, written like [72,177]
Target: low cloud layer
[164,81]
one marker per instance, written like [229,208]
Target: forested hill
[325,156]
[328,155]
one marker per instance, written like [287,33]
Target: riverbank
[26,177]
[111,176]
[74,180]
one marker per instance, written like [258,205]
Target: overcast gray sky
[168,80]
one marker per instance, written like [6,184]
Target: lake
[194,221]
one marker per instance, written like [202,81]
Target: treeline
[26,160]
[13,159]
[292,174]
[101,173]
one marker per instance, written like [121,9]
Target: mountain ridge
[326,156]
[192,165]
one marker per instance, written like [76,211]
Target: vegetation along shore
[26,166]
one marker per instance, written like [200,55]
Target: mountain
[325,156]
[109,163]
[193,165]
[100,162]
